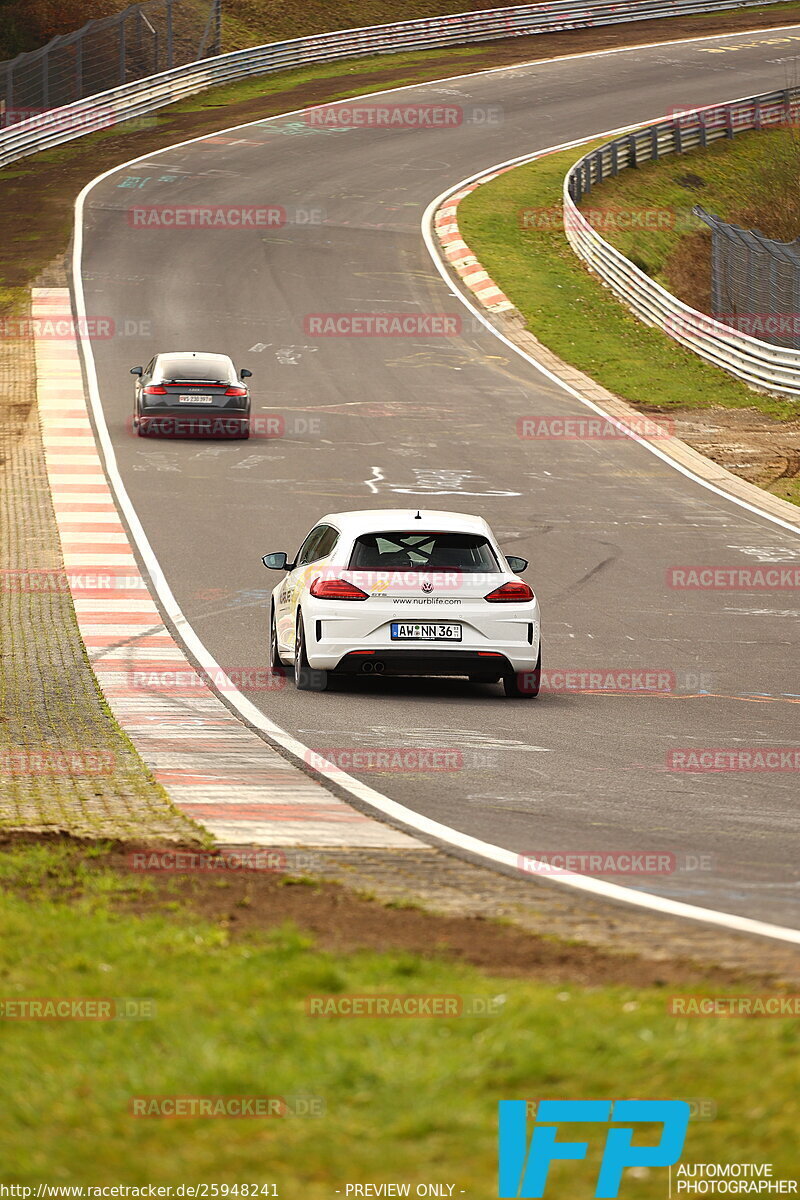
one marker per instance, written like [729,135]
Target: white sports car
[404,592]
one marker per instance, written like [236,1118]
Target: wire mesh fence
[755,281]
[139,41]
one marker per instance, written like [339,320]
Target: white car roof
[372,520]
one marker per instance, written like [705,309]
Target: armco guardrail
[145,95]
[762,365]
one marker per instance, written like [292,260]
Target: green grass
[787,489]
[571,312]
[410,1099]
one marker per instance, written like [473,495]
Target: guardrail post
[614,158]
[632,162]
[654,143]
[729,131]
[703,131]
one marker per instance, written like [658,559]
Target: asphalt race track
[432,422]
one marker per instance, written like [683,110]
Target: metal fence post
[218,26]
[753,276]
[122,49]
[46,77]
[170,39]
[79,68]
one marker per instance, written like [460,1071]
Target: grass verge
[570,311]
[404,1098]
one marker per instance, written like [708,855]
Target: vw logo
[427,586]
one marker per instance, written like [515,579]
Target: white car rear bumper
[336,635]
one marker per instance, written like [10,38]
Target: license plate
[195,399]
[426,631]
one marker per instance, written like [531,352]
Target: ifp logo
[524,1170]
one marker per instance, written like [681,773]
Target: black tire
[524,685]
[306,679]
[244,430]
[141,429]
[275,664]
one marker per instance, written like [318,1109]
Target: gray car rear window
[206,366]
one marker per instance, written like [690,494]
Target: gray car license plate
[195,399]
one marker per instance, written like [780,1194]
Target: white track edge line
[246,709]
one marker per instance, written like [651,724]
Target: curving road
[432,422]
